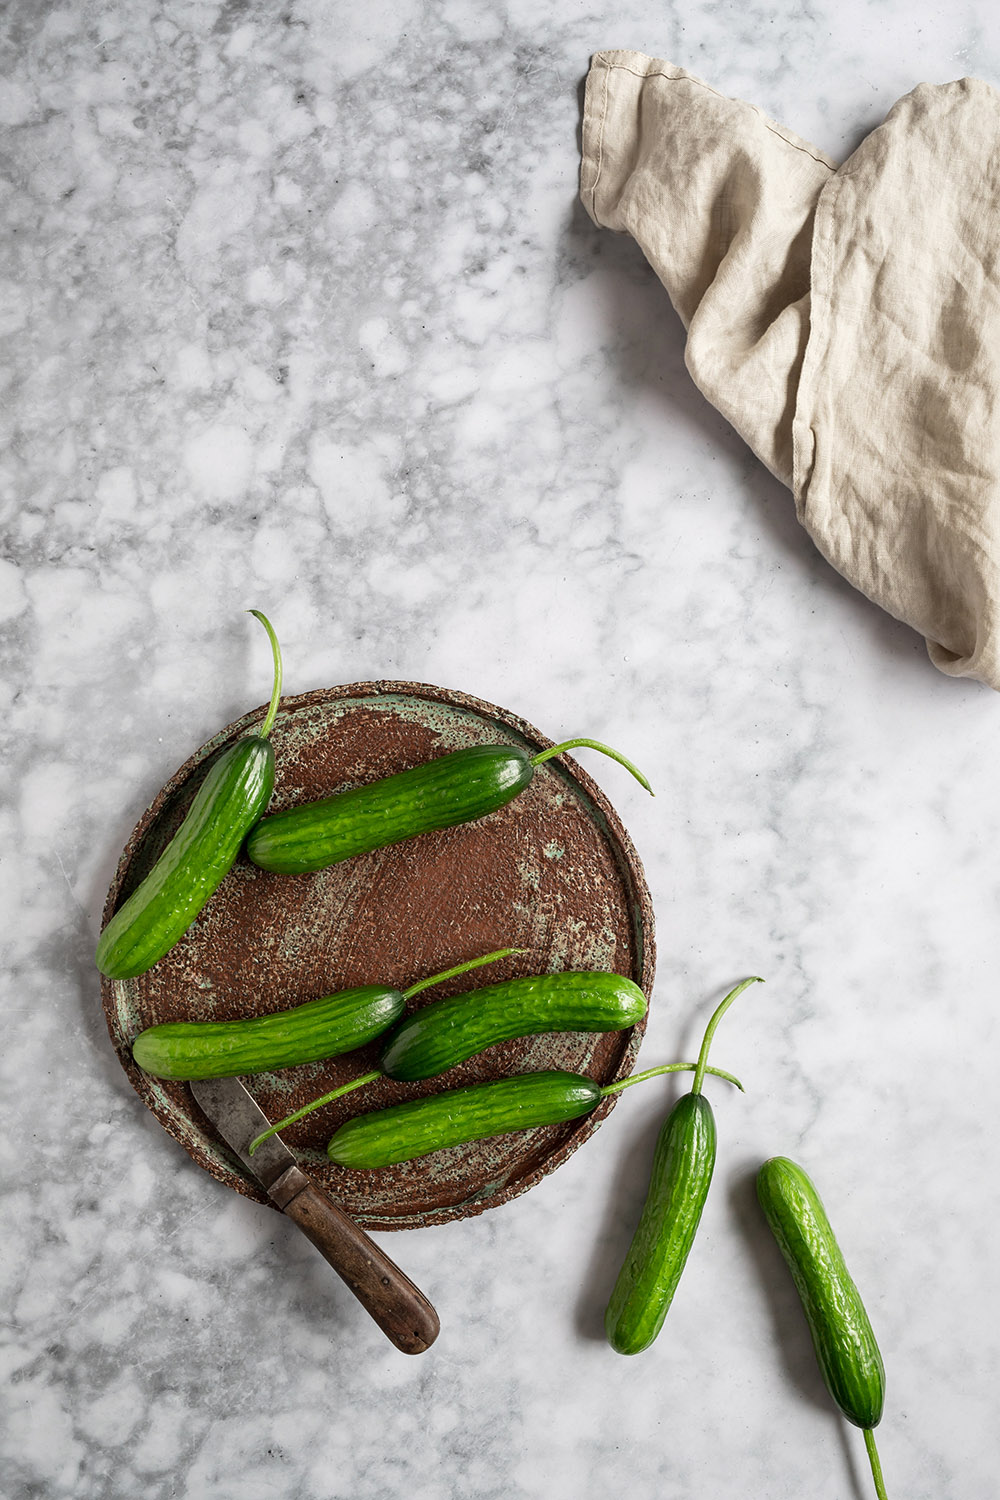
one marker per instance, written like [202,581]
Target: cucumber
[305,1033]
[842,1336]
[475,1113]
[405,1131]
[683,1163]
[282,1039]
[229,801]
[449,1031]
[458,787]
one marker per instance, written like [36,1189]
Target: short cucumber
[451,1118]
[842,1336]
[305,1033]
[683,1163]
[281,1039]
[448,1031]
[229,801]
[475,1113]
[458,787]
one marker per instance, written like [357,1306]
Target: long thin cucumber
[229,801]
[449,1031]
[458,787]
[402,1132]
[683,1163]
[282,1039]
[326,1027]
[452,1118]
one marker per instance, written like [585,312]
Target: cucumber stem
[873,1459]
[544,755]
[472,963]
[272,708]
[685,1067]
[307,1109]
[717,1016]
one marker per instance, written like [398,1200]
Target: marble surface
[301,313]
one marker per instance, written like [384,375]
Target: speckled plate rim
[205,1148]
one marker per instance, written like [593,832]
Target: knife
[401,1311]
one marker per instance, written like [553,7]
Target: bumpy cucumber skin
[405,1131]
[455,788]
[229,801]
[448,1031]
[224,1049]
[683,1163]
[842,1336]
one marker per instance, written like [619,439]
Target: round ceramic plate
[553,872]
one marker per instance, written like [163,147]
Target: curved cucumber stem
[307,1109]
[272,708]
[717,1016]
[873,1459]
[626,1083]
[472,963]
[544,755]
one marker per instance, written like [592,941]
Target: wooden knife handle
[399,1308]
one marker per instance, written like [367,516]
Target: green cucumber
[842,1336]
[384,1137]
[229,801]
[447,1032]
[683,1163]
[458,787]
[304,1033]
[405,1131]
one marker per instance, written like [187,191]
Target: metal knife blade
[398,1307]
[239,1119]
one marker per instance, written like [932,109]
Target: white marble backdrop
[300,312]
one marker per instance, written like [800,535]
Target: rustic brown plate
[553,872]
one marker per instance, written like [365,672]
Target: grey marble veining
[300,312]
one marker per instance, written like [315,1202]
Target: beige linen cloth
[845,320]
